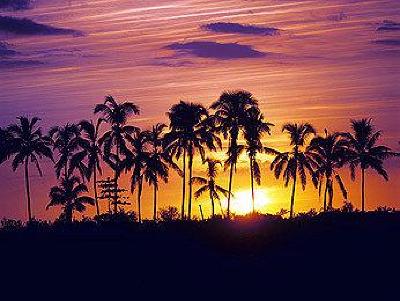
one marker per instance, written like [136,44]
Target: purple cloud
[388,42]
[28,27]
[5,50]
[220,51]
[388,25]
[15,4]
[225,27]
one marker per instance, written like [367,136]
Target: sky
[315,61]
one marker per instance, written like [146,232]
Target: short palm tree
[329,154]
[295,162]
[5,145]
[91,153]
[67,195]
[190,131]
[254,129]
[230,115]
[114,141]
[66,142]
[209,184]
[158,162]
[363,151]
[137,162]
[29,145]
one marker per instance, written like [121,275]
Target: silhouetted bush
[169,214]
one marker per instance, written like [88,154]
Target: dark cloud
[225,27]
[220,51]
[28,27]
[388,25]
[388,42]
[16,63]
[5,50]
[15,4]
[338,17]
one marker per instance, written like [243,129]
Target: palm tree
[114,140]
[29,145]
[295,162]
[91,151]
[208,184]
[138,162]
[158,162]
[190,129]
[6,148]
[66,141]
[254,129]
[67,195]
[329,154]
[230,115]
[363,151]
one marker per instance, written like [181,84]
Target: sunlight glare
[241,202]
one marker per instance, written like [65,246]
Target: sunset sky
[318,61]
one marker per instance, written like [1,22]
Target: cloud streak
[388,25]
[388,42]
[24,26]
[215,50]
[226,27]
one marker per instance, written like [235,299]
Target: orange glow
[241,202]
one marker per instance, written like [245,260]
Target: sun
[241,202]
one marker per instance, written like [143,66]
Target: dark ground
[323,257]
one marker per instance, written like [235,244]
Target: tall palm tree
[138,162]
[295,162]
[29,145]
[363,151]
[91,153]
[66,142]
[254,129]
[209,184]
[328,154]
[67,195]
[158,162]
[230,115]
[190,130]
[114,140]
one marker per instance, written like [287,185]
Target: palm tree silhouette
[190,129]
[67,195]
[91,151]
[114,140]
[137,163]
[329,154]
[209,184]
[6,147]
[158,162]
[363,151]
[295,162]
[230,115]
[29,145]
[254,129]
[66,141]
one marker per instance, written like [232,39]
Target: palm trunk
[116,182]
[155,203]
[252,183]
[293,195]
[228,213]
[28,192]
[183,185]
[68,214]
[212,206]
[326,191]
[190,184]
[362,189]
[95,191]
[139,201]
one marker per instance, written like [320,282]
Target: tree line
[80,150]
